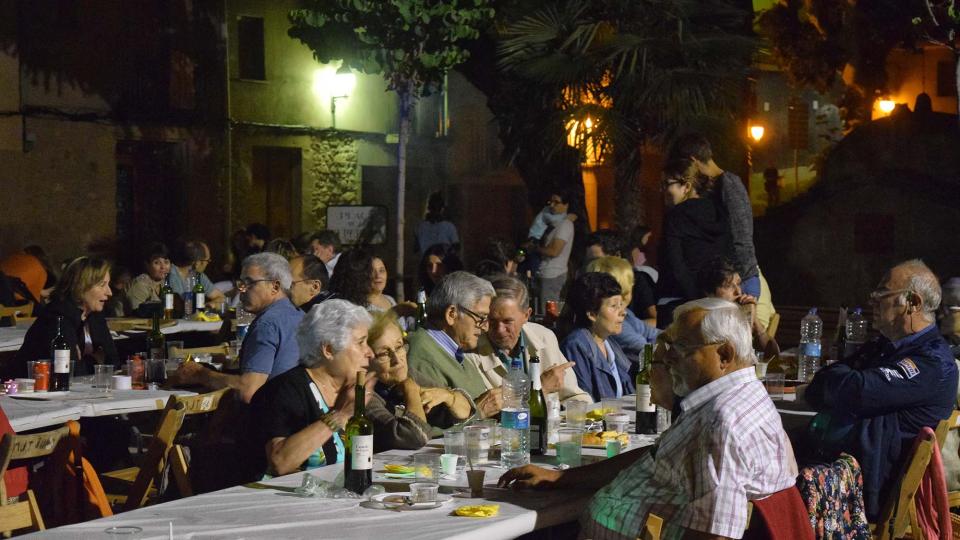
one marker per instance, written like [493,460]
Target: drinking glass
[774,383]
[478,443]
[664,419]
[455,442]
[427,467]
[421,492]
[102,375]
[569,446]
[577,413]
[173,345]
[156,371]
[30,365]
[494,430]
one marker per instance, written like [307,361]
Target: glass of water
[569,444]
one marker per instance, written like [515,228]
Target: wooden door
[276,189]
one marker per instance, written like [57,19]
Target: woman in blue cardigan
[598,311]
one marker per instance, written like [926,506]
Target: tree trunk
[628,205]
[406,105]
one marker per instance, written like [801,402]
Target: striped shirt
[727,447]
[447,344]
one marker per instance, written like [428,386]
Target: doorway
[275,191]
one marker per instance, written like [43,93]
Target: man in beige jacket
[511,335]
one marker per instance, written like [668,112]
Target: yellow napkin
[398,469]
[207,317]
[597,414]
[478,510]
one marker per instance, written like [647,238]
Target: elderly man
[727,446]
[512,336]
[310,280]
[873,404]
[326,247]
[270,346]
[457,313]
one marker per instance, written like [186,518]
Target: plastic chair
[140,482]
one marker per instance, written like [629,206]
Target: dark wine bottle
[646,410]
[538,411]
[60,352]
[358,463]
[421,320]
[156,342]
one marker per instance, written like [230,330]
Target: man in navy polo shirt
[873,404]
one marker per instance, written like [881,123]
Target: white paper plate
[396,501]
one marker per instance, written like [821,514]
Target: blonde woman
[695,231]
[635,333]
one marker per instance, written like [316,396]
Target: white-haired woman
[297,414]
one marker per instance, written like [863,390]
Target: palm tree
[641,69]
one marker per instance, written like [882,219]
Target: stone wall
[332,176]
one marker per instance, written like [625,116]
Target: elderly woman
[297,415]
[402,411]
[636,333]
[79,297]
[602,368]
[145,288]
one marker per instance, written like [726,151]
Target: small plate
[395,501]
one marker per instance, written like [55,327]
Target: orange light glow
[756,133]
[886,105]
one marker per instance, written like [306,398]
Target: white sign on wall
[358,224]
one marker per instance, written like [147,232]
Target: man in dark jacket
[873,404]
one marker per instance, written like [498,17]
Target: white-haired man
[270,346]
[726,447]
[874,403]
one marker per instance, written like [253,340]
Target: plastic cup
[102,375]
[475,481]
[761,368]
[774,383]
[24,386]
[30,365]
[610,406]
[427,466]
[577,413]
[455,442]
[664,419]
[448,464]
[569,444]
[423,492]
[121,382]
[478,443]
[617,422]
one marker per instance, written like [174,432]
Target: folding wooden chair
[177,352]
[17,312]
[138,484]
[899,514]
[208,403]
[16,515]
[943,430]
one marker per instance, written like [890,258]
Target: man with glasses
[270,346]
[873,404]
[725,448]
[310,281]
[457,312]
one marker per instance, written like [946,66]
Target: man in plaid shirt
[727,446]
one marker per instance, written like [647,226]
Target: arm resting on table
[286,454]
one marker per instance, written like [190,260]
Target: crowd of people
[322,315]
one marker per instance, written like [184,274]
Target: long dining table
[11,337]
[272,508]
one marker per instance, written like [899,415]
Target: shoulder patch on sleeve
[890,374]
[909,368]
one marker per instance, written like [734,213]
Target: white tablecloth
[11,337]
[82,401]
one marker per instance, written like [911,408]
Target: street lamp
[755,132]
[333,84]
[886,106]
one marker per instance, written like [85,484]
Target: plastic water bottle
[856,329]
[515,418]
[811,332]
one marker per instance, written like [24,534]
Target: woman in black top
[79,297]
[695,232]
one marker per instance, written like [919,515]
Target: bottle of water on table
[811,333]
[515,418]
[856,331]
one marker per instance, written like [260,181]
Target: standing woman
[601,367]
[435,227]
[695,232]
[79,297]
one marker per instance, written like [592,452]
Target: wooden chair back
[177,352]
[17,447]
[899,513]
[171,419]
[943,430]
[208,403]
[21,515]
[652,528]
[17,312]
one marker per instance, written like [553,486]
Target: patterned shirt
[727,447]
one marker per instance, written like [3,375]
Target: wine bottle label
[361,452]
[201,300]
[643,399]
[61,361]
[168,301]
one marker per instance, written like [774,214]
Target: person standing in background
[435,227]
[555,249]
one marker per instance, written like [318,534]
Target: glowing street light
[333,84]
[886,106]
[756,132]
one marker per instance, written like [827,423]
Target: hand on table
[490,402]
[431,397]
[552,379]
[530,477]
[188,374]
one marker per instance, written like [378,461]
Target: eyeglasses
[384,356]
[880,294]
[246,283]
[479,320]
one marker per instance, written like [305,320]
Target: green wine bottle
[358,440]
[156,342]
[646,410]
[538,411]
